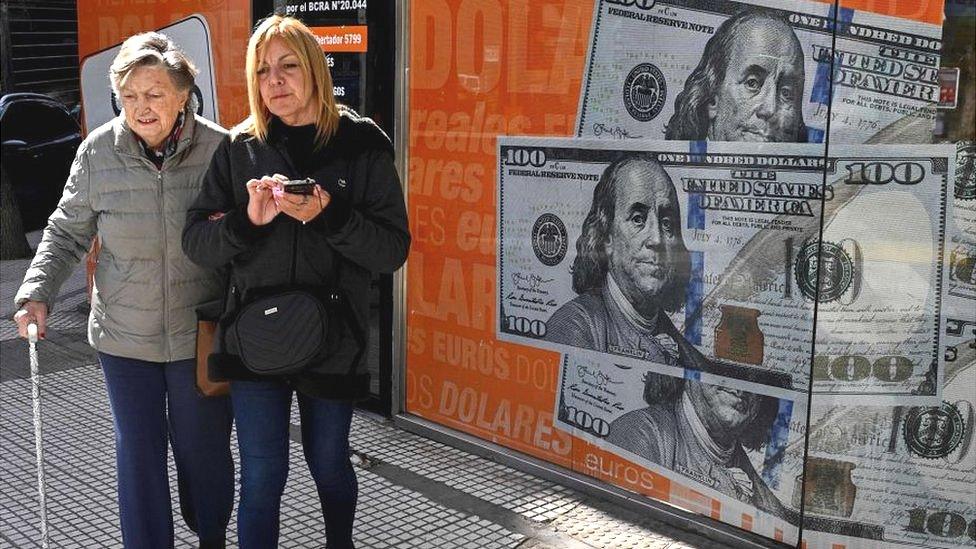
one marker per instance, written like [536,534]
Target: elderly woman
[349,223]
[130,184]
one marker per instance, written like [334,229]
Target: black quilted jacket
[363,230]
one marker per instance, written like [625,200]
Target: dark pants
[261,410]
[153,401]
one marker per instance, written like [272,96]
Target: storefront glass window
[718,253]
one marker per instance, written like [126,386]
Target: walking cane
[38,444]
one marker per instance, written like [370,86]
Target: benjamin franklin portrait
[748,85]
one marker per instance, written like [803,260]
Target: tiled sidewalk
[413,492]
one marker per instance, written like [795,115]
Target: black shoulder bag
[279,331]
[282,330]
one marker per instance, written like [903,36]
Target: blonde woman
[351,222]
[130,184]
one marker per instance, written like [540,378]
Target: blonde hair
[300,40]
[152,49]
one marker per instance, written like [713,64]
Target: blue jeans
[261,410]
[152,402]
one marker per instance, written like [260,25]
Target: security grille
[39,43]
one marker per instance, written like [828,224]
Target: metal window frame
[401,107]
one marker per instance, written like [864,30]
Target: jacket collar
[353,134]
[276,131]
[127,143]
[277,140]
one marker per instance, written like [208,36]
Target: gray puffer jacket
[146,289]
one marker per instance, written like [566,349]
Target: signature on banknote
[607,404]
[522,298]
[593,377]
[615,132]
[529,282]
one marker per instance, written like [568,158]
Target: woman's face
[151,103]
[285,91]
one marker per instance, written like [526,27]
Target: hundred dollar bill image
[896,476]
[757,70]
[711,260]
[725,441]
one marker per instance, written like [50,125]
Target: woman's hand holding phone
[305,207]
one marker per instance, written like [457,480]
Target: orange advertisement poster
[478,72]
[342,39]
[103,24]
[923,11]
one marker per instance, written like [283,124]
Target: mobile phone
[299,186]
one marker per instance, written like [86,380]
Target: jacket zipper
[295,234]
[162,218]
